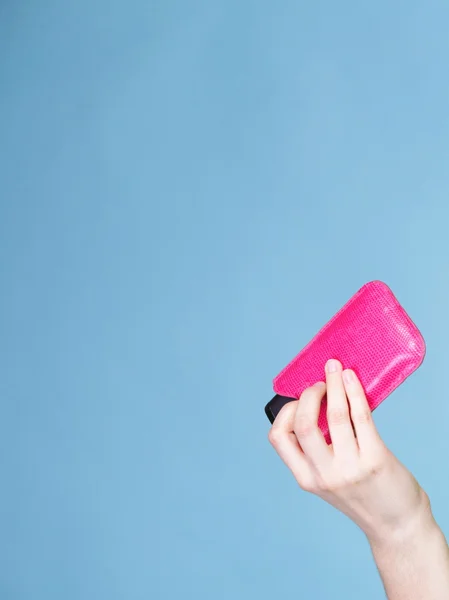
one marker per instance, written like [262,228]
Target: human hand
[357,474]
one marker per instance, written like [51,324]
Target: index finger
[283,439]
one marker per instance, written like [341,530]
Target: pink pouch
[372,334]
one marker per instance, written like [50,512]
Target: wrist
[413,561]
[414,528]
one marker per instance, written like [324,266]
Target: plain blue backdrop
[188,191]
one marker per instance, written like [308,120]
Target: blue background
[189,190]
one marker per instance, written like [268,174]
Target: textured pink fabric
[373,335]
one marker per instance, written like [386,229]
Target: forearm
[414,566]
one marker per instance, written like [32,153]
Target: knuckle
[287,411]
[304,425]
[328,486]
[346,476]
[378,459]
[362,417]
[353,477]
[376,465]
[308,393]
[309,486]
[374,471]
[321,487]
[337,416]
[274,436]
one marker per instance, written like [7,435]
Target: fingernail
[332,366]
[320,384]
[348,376]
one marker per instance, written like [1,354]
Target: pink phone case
[373,335]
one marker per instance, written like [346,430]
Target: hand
[357,474]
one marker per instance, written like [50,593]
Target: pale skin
[359,476]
